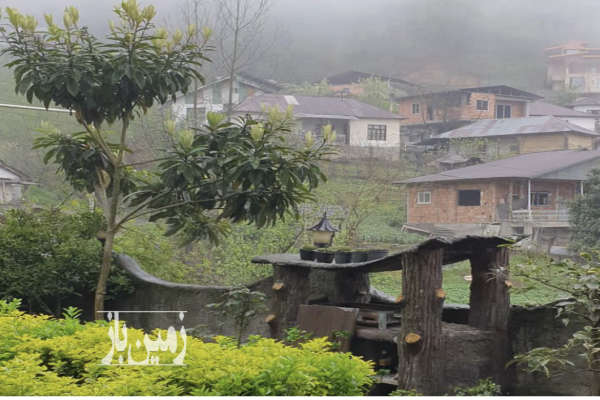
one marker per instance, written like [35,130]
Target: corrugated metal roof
[538,108]
[532,165]
[586,101]
[310,106]
[513,126]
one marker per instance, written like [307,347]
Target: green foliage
[377,92]
[47,257]
[241,304]
[584,215]
[404,392]
[246,171]
[157,254]
[581,280]
[311,89]
[70,365]
[484,387]
[295,335]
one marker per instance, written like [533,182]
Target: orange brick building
[532,188]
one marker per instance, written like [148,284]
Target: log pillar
[420,339]
[291,288]
[350,287]
[490,302]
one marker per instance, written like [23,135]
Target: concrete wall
[359,133]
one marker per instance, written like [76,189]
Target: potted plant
[307,253]
[343,255]
[324,255]
[360,255]
[375,254]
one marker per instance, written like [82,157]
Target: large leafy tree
[584,215]
[222,173]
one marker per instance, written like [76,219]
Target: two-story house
[430,114]
[574,66]
[214,96]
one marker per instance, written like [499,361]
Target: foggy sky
[500,40]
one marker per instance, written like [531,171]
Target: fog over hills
[450,42]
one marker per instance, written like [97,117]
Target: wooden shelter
[423,346]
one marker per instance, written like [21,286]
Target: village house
[12,185]
[356,124]
[573,66]
[586,120]
[490,139]
[514,195]
[214,96]
[349,82]
[587,104]
[429,114]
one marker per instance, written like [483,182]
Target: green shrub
[47,257]
[484,387]
[69,364]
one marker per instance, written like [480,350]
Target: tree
[582,282]
[221,173]
[377,92]
[241,25]
[584,215]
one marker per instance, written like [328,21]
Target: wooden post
[293,289]
[420,339]
[350,287]
[490,302]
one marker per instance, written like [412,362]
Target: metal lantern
[323,232]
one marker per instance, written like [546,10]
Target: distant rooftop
[531,165]
[315,107]
[586,101]
[512,126]
[499,90]
[540,108]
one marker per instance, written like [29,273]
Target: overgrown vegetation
[50,357]
[50,259]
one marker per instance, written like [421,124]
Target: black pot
[307,255]
[343,257]
[377,253]
[324,257]
[360,256]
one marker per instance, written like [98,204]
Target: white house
[215,95]
[12,185]
[356,123]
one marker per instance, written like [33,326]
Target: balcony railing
[560,215]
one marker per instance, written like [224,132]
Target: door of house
[503,111]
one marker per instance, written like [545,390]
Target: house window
[430,113]
[482,105]
[503,111]
[415,108]
[424,198]
[376,132]
[540,198]
[469,197]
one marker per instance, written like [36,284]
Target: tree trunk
[350,287]
[292,288]
[490,303]
[103,277]
[420,339]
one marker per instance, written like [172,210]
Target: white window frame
[420,200]
[377,132]
[486,102]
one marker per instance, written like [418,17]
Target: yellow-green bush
[44,356]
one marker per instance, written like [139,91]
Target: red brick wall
[444,208]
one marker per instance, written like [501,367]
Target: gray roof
[513,126]
[315,107]
[531,165]
[586,101]
[539,107]
[347,77]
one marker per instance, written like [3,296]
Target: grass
[524,292]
